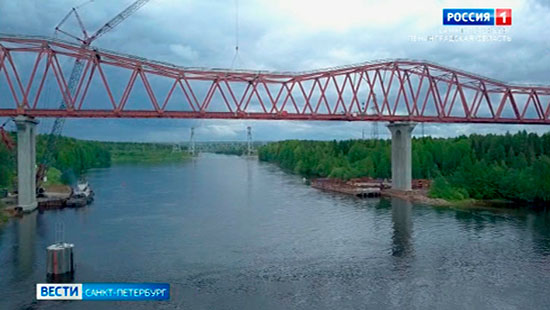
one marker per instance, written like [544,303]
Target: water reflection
[401,214]
[539,225]
[249,181]
[294,247]
[26,237]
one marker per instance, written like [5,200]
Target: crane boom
[131,9]
[76,73]
[58,123]
[57,126]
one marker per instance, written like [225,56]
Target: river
[235,233]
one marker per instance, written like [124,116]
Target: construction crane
[76,73]
[6,137]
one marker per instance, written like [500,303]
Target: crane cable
[236,58]
[83,4]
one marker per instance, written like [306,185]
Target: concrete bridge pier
[26,163]
[401,158]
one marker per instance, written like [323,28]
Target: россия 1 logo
[477,17]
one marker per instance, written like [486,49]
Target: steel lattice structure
[392,90]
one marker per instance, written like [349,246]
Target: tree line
[510,166]
[133,152]
[74,157]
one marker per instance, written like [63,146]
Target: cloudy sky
[291,35]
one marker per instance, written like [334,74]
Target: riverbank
[368,187]
[3,214]
[374,188]
[513,167]
[54,197]
[8,211]
[421,196]
[416,196]
[73,158]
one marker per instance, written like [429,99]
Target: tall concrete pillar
[26,163]
[401,159]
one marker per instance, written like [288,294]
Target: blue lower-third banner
[103,291]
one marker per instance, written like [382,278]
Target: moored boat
[81,195]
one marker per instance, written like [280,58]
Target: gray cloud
[295,36]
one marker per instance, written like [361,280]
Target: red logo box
[503,17]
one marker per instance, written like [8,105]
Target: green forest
[512,166]
[130,152]
[7,166]
[74,157]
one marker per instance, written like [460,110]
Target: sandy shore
[417,195]
[421,196]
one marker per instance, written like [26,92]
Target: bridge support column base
[401,159]
[26,163]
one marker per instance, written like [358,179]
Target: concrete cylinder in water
[60,259]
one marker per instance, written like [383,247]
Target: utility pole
[249,140]
[176,148]
[192,142]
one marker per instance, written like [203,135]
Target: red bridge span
[34,73]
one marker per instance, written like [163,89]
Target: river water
[235,233]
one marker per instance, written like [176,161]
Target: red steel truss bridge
[34,73]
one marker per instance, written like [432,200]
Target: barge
[360,187]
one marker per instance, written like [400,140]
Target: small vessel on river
[81,195]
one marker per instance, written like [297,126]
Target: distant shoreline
[148,157]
